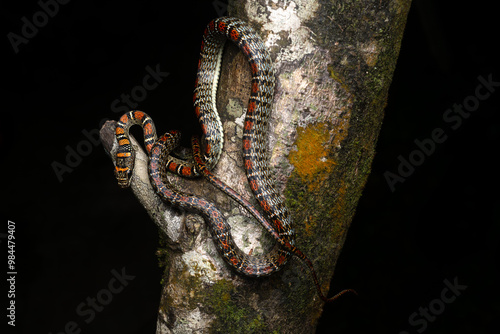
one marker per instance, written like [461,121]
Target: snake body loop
[278,222]
[125,155]
[254,266]
[257,114]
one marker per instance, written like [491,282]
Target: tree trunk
[334,63]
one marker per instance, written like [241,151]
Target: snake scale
[206,155]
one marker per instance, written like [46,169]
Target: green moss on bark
[230,316]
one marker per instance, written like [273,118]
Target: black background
[441,223]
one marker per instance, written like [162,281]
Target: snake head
[124,168]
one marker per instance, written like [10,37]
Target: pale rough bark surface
[334,64]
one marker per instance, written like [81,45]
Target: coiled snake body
[278,222]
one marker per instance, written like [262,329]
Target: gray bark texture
[334,63]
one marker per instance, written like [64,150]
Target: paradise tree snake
[255,158]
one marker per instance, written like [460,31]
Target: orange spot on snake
[278,225]
[124,118]
[248,164]
[148,129]
[139,115]
[265,205]
[251,107]
[245,49]
[185,171]
[255,87]
[246,144]
[172,166]
[222,26]
[234,35]
[257,59]
[248,125]
[254,186]
[194,100]
[255,68]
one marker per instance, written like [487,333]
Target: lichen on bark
[334,63]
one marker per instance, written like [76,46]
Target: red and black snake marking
[255,266]
[257,115]
[250,208]
[125,155]
[254,152]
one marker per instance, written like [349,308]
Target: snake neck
[125,154]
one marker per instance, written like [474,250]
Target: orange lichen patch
[311,156]
[339,204]
[310,225]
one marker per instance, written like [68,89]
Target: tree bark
[334,63]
